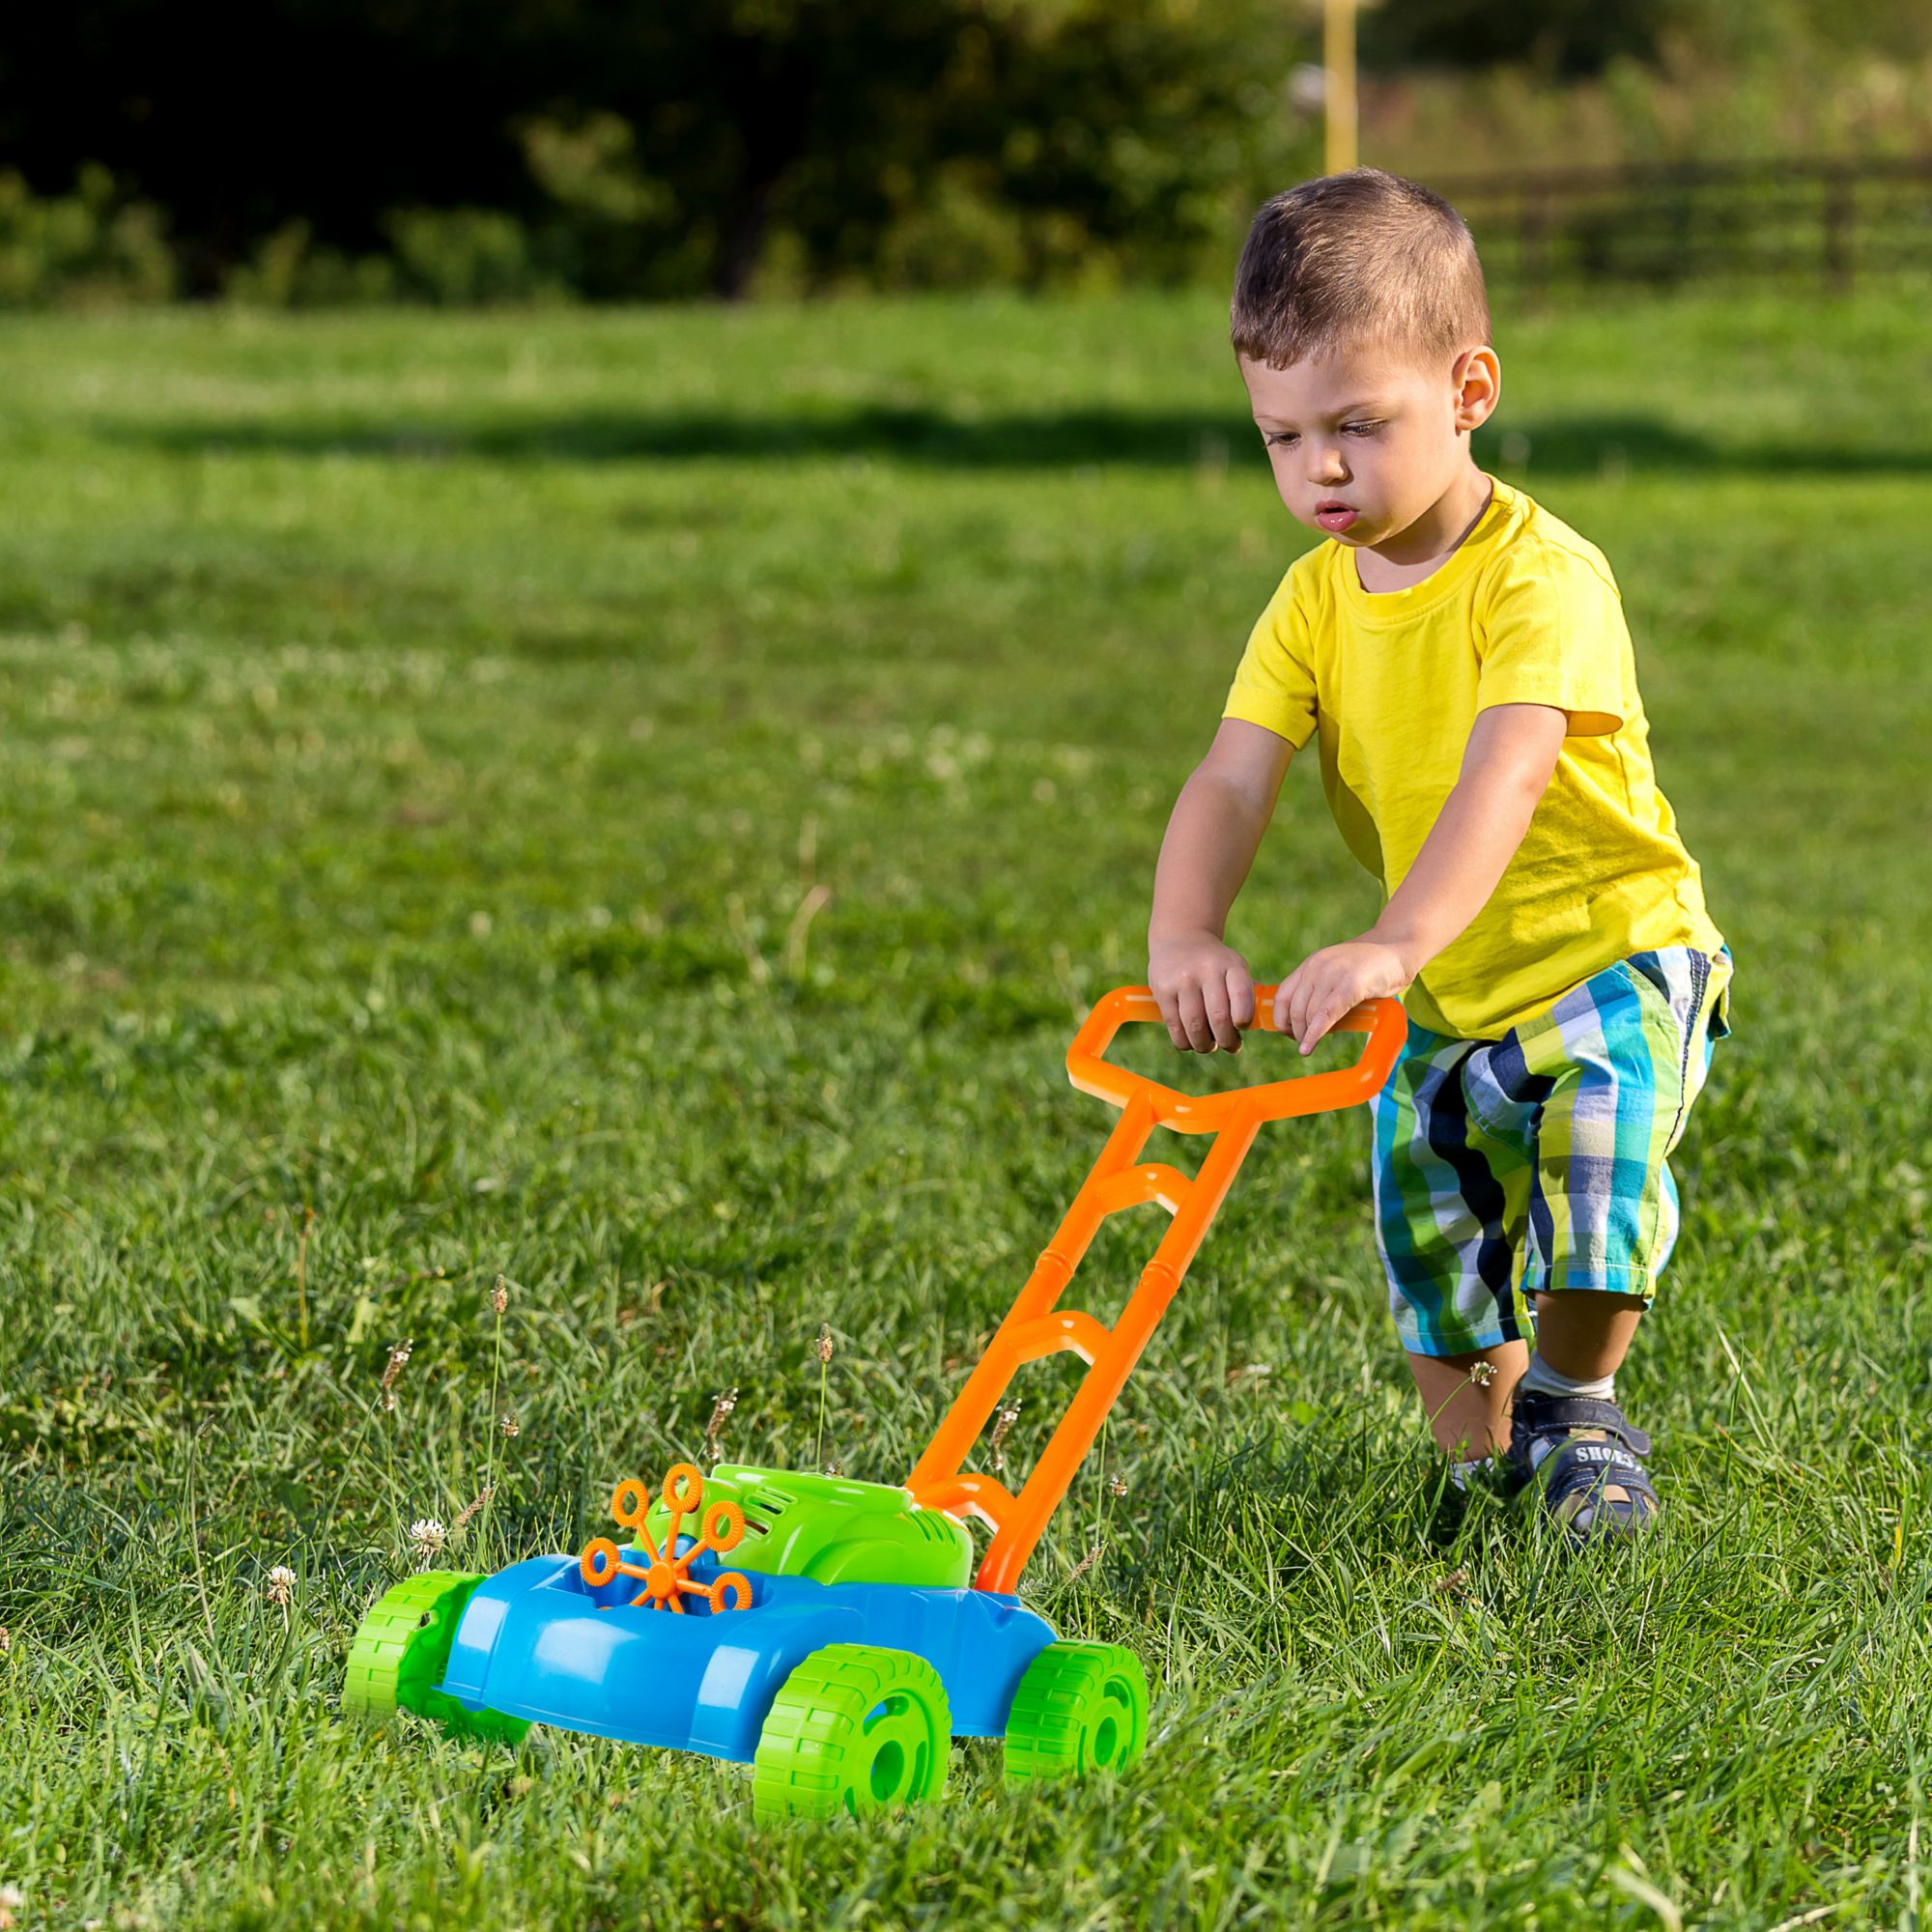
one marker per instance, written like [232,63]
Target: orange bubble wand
[666,1577]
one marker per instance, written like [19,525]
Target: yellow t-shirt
[1525,611]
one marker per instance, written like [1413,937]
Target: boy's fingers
[1169,1015]
[1240,996]
[1194,1020]
[1214,1001]
[1181,1032]
[1316,1004]
[1326,1012]
[1298,1004]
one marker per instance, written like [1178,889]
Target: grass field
[635,803]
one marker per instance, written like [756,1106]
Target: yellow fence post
[1338,62]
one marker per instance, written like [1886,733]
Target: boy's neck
[1426,543]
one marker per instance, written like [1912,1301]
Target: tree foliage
[651,149]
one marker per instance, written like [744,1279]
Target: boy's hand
[1205,991]
[1327,984]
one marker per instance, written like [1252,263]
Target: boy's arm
[1506,766]
[1205,991]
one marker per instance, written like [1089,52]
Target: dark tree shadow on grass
[1014,439]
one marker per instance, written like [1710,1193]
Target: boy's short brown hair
[1362,259]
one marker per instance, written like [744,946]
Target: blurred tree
[1150,126]
[655,147]
[1571,39]
[832,119]
[243,116]
[1559,38]
[754,111]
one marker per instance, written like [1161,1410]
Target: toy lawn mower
[850,1639]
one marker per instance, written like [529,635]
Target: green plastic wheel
[401,1650]
[1080,1708]
[854,1728]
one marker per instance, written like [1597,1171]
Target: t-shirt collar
[1443,579]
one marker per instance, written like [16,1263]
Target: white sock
[1541,1378]
[1462,1474]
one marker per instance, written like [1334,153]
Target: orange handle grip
[1091,1073]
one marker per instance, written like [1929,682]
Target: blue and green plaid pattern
[1539,1160]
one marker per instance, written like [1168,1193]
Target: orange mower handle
[1120,1180]
[1088,1068]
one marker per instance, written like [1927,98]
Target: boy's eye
[1286,439]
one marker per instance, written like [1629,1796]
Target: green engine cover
[833,1531]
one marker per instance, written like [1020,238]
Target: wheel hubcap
[900,1748]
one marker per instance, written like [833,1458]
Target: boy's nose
[1328,467]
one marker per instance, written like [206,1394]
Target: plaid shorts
[1539,1160]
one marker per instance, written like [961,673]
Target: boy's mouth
[1334,515]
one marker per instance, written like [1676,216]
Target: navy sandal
[1583,1457]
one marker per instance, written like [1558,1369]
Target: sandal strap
[1536,1413]
[1580,1464]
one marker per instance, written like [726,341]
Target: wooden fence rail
[1827,221]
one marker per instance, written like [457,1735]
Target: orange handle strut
[1034,1327]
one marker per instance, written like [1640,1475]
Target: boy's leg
[1585,1336]
[1466,1398]
[1604,1082]
[1450,1204]
[1611,1073]
[1606,1079]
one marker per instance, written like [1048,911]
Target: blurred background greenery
[442,150]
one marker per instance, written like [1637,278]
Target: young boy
[1460,657]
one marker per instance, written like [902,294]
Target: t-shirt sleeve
[1274,686]
[1553,633]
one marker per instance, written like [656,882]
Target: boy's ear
[1478,377]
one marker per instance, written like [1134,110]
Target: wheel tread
[807,1749]
[390,1669]
[1062,1697]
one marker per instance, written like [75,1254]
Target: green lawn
[637,804]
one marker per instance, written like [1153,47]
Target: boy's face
[1363,443]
